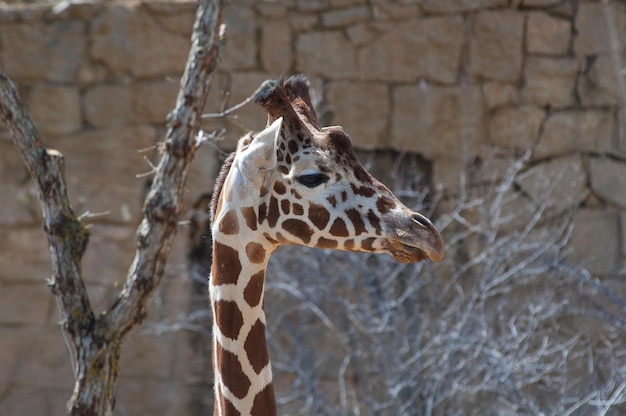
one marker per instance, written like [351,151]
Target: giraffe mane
[219,183]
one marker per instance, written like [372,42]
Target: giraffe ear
[261,153]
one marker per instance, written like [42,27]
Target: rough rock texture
[460,82]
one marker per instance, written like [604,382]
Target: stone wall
[465,84]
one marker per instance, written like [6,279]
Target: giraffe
[292,183]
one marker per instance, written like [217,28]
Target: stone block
[45,362]
[109,255]
[276,51]
[34,265]
[550,82]
[38,51]
[149,355]
[576,131]
[153,100]
[325,53]
[24,401]
[499,94]
[597,83]
[558,185]
[594,241]
[608,180]
[547,35]
[12,167]
[55,109]
[242,49]
[19,204]
[108,105]
[366,32]
[515,127]
[496,40]
[142,395]
[344,17]
[437,121]
[25,304]
[419,48]
[124,39]
[539,3]
[453,6]
[363,111]
[594,33]
[102,167]
[251,117]
[387,10]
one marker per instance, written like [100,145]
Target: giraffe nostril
[422,220]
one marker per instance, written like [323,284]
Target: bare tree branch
[96,341]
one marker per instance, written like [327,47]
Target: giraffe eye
[312,180]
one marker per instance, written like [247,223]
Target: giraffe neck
[243,375]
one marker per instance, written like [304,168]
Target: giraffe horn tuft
[290,100]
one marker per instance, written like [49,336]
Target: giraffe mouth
[406,248]
[405,253]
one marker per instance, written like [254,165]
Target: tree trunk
[96,340]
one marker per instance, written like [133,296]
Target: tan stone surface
[55,109]
[576,131]
[558,185]
[325,53]
[448,6]
[275,49]
[594,242]
[38,51]
[35,301]
[363,110]
[347,16]
[24,257]
[516,127]
[19,204]
[547,35]
[425,47]
[499,94]
[125,36]
[108,105]
[597,84]
[608,180]
[496,45]
[550,82]
[437,121]
[241,52]
[153,100]
[594,31]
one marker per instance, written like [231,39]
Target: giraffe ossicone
[292,183]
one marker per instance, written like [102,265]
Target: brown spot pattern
[384,204]
[255,347]
[374,221]
[226,405]
[279,188]
[368,244]
[297,209]
[365,191]
[348,245]
[319,215]
[326,243]
[229,318]
[254,289]
[293,146]
[273,213]
[285,206]
[229,223]
[344,196]
[332,201]
[226,265]
[255,252]
[262,212]
[229,365]
[339,228]
[298,228]
[250,217]
[357,221]
[264,403]
[296,194]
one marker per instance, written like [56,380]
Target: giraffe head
[298,183]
